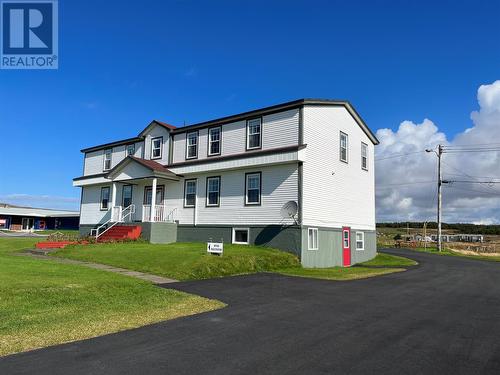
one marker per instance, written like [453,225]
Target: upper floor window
[213,191]
[192,145]
[214,141]
[254,134]
[252,188]
[344,145]
[189,193]
[104,198]
[364,156]
[130,149]
[156,144]
[107,159]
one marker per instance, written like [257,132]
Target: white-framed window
[130,149]
[253,188]
[156,147]
[344,146]
[105,198]
[127,195]
[364,156]
[213,191]
[254,134]
[360,240]
[190,193]
[192,145]
[241,235]
[214,141]
[312,238]
[108,154]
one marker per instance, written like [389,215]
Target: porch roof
[148,168]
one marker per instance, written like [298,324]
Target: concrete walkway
[103,267]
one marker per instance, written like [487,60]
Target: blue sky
[122,64]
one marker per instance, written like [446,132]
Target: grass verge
[387,260]
[46,303]
[339,273]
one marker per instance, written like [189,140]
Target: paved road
[442,317]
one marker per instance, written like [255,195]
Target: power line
[399,155]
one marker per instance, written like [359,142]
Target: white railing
[159,215]
[118,215]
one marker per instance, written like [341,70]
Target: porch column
[113,201]
[113,195]
[153,199]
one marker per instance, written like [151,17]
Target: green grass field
[386,260]
[45,303]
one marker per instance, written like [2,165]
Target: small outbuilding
[29,218]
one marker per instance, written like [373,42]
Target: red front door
[346,246]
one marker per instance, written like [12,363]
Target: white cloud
[41,201]
[416,199]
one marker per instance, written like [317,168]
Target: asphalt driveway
[442,317]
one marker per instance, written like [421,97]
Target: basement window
[240,236]
[312,239]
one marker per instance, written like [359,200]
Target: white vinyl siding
[312,238]
[336,194]
[278,130]
[279,185]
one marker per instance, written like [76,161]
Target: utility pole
[440,196]
[439,153]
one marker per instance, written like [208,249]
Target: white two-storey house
[297,176]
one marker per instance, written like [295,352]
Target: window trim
[363,144]
[195,193]
[346,147]
[131,194]
[108,188]
[206,192]
[234,236]
[259,203]
[362,240]
[309,231]
[197,144]
[104,169]
[220,140]
[126,149]
[152,148]
[247,135]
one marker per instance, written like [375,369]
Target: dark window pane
[253,196]
[240,236]
[213,198]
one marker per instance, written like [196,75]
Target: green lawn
[45,303]
[190,261]
[183,261]
[386,260]
[433,250]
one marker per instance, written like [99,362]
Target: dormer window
[130,149]
[107,159]
[254,134]
[192,145]
[156,144]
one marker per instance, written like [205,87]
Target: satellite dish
[289,210]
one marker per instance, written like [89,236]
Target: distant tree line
[462,228]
